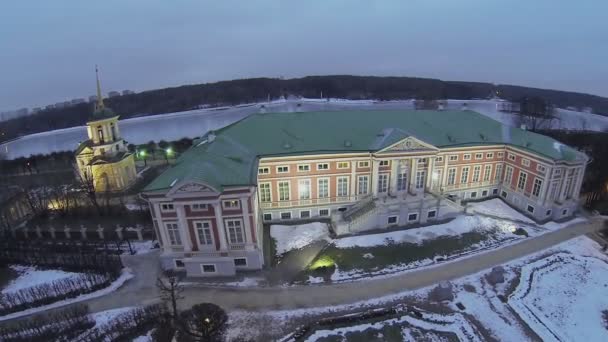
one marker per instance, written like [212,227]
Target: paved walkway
[142,290]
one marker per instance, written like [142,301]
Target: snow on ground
[460,225]
[144,338]
[295,237]
[105,317]
[496,207]
[30,276]
[126,275]
[142,247]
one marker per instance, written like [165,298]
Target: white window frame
[490,155]
[164,207]
[319,193]
[500,154]
[328,212]
[263,170]
[230,207]
[487,172]
[537,186]
[464,175]
[509,173]
[401,181]
[479,156]
[525,162]
[473,194]
[284,198]
[476,174]
[306,182]
[384,163]
[420,179]
[528,209]
[431,211]
[180,260]
[412,220]
[466,156]
[484,193]
[511,156]
[341,165]
[201,206]
[264,217]
[242,258]
[203,268]
[339,183]
[179,241]
[363,164]
[439,159]
[453,157]
[382,183]
[228,228]
[210,228]
[285,212]
[519,178]
[396,220]
[261,189]
[541,168]
[359,187]
[322,166]
[305,211]
[451,178]
[303,167]
[282,169]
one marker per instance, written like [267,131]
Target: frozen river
[174,126]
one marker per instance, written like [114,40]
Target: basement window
[392,220]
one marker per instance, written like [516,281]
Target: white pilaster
[246,223]
[219,222]
[161,226]
[375,170]
[353,180]
[412,179]
[393,176]
[429,173]
[183,227]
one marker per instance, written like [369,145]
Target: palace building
[104,159]
[360,170]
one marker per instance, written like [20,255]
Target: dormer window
[100,134]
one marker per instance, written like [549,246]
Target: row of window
[478,156]
[303,214]
[212,268]
[412,217]
[306,167]
[530,208]
[522,180]
[226,204]
[204,236]
[476,176]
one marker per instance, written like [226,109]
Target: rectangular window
[384,163]
[509,175]
[401,181]
[392,220]
[231,204]
[478,155]
[500,154]
[268,217]
[173,231]
[304,189]
[521,182]
[487,172]
[305,214]
[541,168]
[439,159]
[283,191]
[431,213]
[265,192]
[504,194]
[454,157]
[537,186]
[498,172]
[553,192]
[235,231]
[323,166]
[303,167]
[466,156]
[167,207]
[342,186]
[420,176]
[484,193]
[464,176]
[240,261]
[530,208]
[203,232]
[286,215]
[208,268]
[412,217]
[489,155]
[382,183]
[343,165]
[363,164]
[263,171]
[199,206]
[179,263]
[323,187]
[474,194]
[511,157]
[476,173]
[494,191]
[282,169]
[548,212]
[525,162]
[564,212]
[363,184]
[452,176]
[323,212]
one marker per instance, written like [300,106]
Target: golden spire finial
[99,106]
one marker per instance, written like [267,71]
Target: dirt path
[142,290]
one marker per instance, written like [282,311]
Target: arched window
[100,135]
[113,130]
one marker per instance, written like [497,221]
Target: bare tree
[536,113]
[87,185]
[203,322]
[170,290]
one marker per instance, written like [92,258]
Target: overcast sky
[48,49]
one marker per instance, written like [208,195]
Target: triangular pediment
[190,187]
[409,144]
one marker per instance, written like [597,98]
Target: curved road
[142,290]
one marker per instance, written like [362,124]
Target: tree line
[241,91]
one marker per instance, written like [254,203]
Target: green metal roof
[231,158]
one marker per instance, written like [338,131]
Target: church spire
[99,106]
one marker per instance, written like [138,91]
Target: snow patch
[298,236]
[30,276]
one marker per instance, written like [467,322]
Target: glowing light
[324,261]
[142,153]
[169,151]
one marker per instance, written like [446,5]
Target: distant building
[77,101]
[36,110]
[128,92]
[113,94]
[59,104]
[51,106]
[93,98]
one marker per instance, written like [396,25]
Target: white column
[219,221]
[579,183]
[159,222]
[413,169]
[353,180]
[183,227]
[429,171]
[246,221]
[393,176]
[563,187]
[375,170]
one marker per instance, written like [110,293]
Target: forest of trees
[259,89]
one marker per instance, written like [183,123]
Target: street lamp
[142,154]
